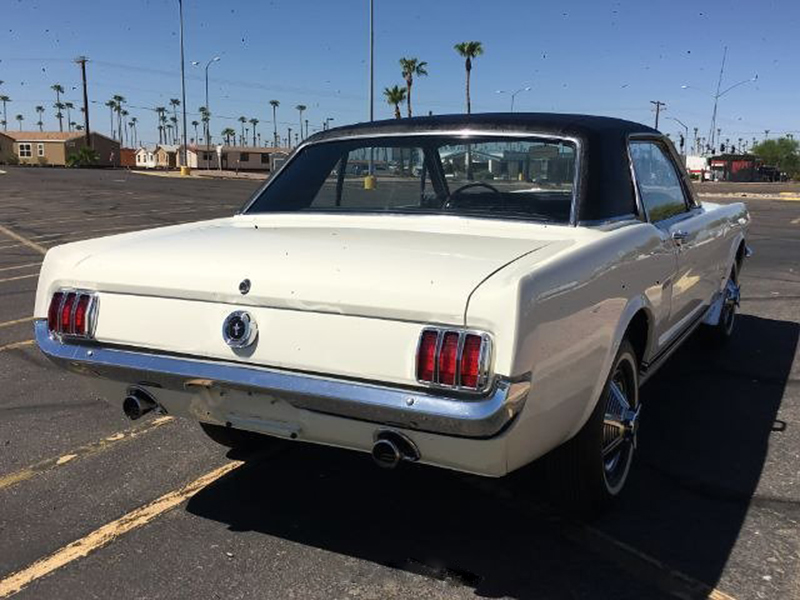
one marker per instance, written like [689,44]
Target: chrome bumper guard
[480,417]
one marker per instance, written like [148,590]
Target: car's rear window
[480,176]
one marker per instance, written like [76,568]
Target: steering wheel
[451,203]
[474,185]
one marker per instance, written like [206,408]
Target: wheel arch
[638,321]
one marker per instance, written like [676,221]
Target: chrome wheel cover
[620,426]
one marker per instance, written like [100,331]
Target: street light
[326,124]
[685,135]
[719,94]
[514,94]
[208,64]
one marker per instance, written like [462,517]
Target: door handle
[679,236]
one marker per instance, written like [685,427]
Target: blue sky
[599,57]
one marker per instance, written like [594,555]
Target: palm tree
[175,103]
[411,67]
[111,104]
[174,120]
[275,104]
[125,114]
[254,123]
[58,89]
[469,50]
[160,110]
[300,108]
[20,119]
[119,100]
[69,106]
[195,124]
[78,127]
[135,133]
[242,120]
[228,133]
[395,96]
[5,99]
[59,106]
[40,110]
[205,117]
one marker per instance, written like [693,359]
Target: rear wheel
[238,439]
[591,469]
[723,330]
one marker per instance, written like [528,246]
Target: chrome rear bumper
[387,405]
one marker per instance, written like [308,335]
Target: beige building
[54,147]
[166,156]
[241,158]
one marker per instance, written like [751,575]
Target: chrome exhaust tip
[386,454]
[391,447]
[138,403]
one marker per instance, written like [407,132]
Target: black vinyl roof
[605,187]
[558,124]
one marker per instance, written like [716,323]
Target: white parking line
[108,533]
[23,240]
[16,322]
[18,277]
[14,345]
[25,266]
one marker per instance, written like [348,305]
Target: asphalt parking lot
[92,506]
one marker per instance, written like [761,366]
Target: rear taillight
[426,356]
[72,313]
[454,359]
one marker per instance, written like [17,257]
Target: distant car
[414,314]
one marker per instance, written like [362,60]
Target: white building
[146,157]
[235,158]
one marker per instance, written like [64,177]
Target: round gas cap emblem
[244,286]
[239,329]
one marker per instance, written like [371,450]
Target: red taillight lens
[66,313]
[448,358]
[52,311]
[426,358]
[471,361]
[79,324]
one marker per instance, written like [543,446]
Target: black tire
[590,470]
[722,332]
[238,439]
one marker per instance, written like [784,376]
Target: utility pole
[306,128]
[658,104]
[185,162]
[371,170]
[289,137]
[81,60]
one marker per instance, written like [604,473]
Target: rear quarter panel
[562,316]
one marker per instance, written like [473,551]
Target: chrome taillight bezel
[59,332]
[484,360]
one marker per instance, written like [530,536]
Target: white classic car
[472,292]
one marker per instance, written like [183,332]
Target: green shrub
[85,157]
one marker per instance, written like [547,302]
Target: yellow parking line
[795,221]
[36,264]
[108,533]
[16,345]
[23,240]
[16,322]
[18,277]
[82,452]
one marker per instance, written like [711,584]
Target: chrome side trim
[393,406]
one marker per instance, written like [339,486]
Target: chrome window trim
[391,405]
[688,202]
[464,133]
[484,359]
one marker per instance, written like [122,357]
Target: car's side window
[659,184]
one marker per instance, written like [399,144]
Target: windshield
[487,177]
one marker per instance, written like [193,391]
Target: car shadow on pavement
[708,418]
